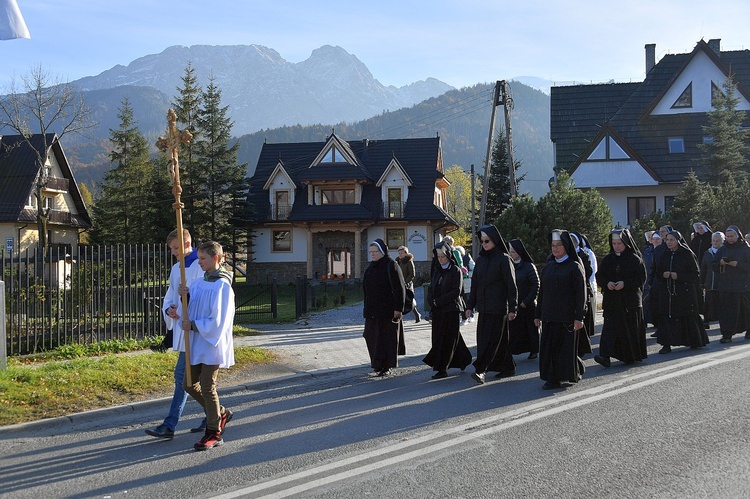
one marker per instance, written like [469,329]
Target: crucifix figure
[171,145]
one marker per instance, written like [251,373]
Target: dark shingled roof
[18,172]
[418,157]
[578,114]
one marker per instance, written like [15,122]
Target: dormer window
[337,196]
[333,156]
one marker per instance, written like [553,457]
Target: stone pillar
[357,253]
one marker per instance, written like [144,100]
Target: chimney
[715,45]
[650,56]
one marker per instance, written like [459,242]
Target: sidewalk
[333,340]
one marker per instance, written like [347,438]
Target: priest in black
[621,277]
[494,295]
[677,284]
[561,310]
[446,304]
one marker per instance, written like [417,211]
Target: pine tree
[187,106]
[221,195]
[727,150]
[499,191]
[689,204]
[123,212]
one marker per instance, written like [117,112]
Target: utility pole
[474,241]
[487,166]
[507,102]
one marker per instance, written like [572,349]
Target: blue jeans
[179,398]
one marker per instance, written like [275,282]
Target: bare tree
[45,105]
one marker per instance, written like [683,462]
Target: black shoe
[604,361]
[747,335]
[532,356]
[726,339]
[384,372]
[653,335]
[201,428]
[478,377]
[161,431]
[440,375]
[551,385]
[666,349]
[505,374]
[418,318]
[706,325]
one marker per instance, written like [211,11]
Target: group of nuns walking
[550,314]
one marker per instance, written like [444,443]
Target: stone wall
[283,272]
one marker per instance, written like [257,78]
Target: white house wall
[592,174]
[394,180]
[617,199]
[701,71]
[262,246]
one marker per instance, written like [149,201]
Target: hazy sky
[459,42]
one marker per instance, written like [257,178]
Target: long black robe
[524,335]
[383,294]
[679,322]
[493,295]
[445,297]
[624,330]
[733,286]
[562,300]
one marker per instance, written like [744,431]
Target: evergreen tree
[565,207]
[521,221]
[729,204]
[187,106]
[499,191]
[727,150]
[222,190]
[690,204]
[123,212]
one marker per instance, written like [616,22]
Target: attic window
[333,156]
[607,149]
[676,145]
[685,100]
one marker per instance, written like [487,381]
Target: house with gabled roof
[318,205]
[636,142]
[19,172]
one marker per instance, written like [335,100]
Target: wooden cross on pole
[171,145]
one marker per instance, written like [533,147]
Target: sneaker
[225,418]
[211,438]
[161,431]
[478,377]
[201,428]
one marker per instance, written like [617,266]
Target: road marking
[476,429]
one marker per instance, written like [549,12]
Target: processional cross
[171,145]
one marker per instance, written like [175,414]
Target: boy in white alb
[175,339]
[210,320]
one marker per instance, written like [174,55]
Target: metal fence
[83,294]
[87,294]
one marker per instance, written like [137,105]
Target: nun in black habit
[621,277]
[561,310]
[494,295]
[446,304]
[677,285]
[524,335]
[384,294]
[732,266]
[589,267]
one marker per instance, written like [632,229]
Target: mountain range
[272,99]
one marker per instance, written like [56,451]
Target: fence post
[274,299]
[3,345]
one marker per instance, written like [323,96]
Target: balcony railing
[394,209]
[57,184]
[59,217]
[280,211]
